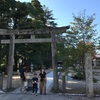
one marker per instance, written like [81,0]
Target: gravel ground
[78,86]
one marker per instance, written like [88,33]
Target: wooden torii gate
[52,31]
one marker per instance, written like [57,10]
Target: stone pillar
[63,83]
[89,75]
[0,52]
[10,62]
[1,82]
[1,77]
[54,65]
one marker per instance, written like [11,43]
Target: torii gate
[50,30]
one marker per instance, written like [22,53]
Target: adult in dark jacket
[22,79]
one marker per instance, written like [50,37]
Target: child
[35,84]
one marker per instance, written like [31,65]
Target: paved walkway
[49,96]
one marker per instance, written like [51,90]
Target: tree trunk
[54,65]
[10,62]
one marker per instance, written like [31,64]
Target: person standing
[42,79]
[35,84]
[23,79]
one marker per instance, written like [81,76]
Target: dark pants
[35,88]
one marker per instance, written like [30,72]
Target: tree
[5,12]
[79,40]
[28,52]
[38,12]
[48,15]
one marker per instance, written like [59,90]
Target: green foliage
[81,35]
[39,16]
[95,80]
[34,16]
[3,23]
[38,11]
[5,12]
[79,75]
[48,15]
[79,40]
[38,54]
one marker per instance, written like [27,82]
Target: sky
[63,9]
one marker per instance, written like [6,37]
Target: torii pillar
[10,62]
[89,76]
[0,51]
[54,65]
